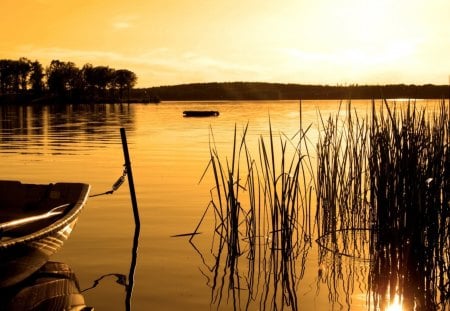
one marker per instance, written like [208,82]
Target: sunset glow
[173,42]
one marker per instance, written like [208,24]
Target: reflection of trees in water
[61,127]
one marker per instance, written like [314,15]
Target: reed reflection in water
[382,214]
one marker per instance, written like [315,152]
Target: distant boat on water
[35,221]
[200,113]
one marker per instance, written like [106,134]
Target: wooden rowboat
[35,221]
[200,113]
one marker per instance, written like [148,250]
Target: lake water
[169,154]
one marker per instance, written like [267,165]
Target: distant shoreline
[244,91]
[278,91]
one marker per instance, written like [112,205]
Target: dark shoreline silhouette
[279,91]
[244,91]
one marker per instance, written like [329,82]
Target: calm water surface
[169,154]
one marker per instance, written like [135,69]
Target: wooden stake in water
[130,177]
[136,221]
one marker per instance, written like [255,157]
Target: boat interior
[19,203]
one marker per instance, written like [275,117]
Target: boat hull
[28,249]
[22,260]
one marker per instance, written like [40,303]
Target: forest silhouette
[22,81]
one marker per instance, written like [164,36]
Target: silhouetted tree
[125,80]
[14,75]
[63,78]
[36,75]
[23,70]
[6,75]
[103,77]
[87,73]
[98,79]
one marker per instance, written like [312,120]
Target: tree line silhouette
[280,91]
[23,80]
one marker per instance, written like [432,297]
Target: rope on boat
[119,182]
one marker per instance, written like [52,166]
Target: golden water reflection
[170,154]
[61,129]
[394,305]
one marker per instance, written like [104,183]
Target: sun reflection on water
[396,305]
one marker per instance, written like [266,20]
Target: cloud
[45,2]
[122,25]
[124,21]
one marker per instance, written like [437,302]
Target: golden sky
[168,42]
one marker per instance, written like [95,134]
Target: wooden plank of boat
[200,113]
[35,221]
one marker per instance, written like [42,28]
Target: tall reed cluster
[383,198]
[343,210]
[286,192]
[342,183]
[409,164]
[262,210]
